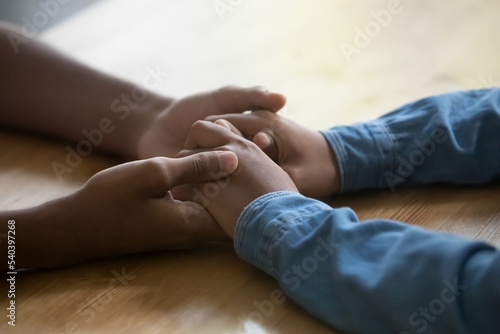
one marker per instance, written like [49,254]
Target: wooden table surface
[423,48]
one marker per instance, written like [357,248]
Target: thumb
[235,100]
[267,143]
[229,126]
[201,167]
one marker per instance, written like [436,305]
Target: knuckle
[156,168]
[198,126]
[226,90]
[198,123]
[229,88]
[212,118]
[247,145]
[201,164]
[155,165]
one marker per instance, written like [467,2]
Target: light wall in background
[397,51]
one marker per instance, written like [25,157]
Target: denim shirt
[383,276]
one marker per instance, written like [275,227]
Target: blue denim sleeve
[452,138]
[379,276]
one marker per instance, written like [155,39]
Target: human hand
[255,176]
[304,154]
[129,208]
[169,129]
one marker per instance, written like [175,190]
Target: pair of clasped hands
[204,160]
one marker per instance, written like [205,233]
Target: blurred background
[14,11]
[337,61]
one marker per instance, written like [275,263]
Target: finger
[234,99]
[200,224]
[201,167]
[155,177]
[229,126]
[258,127]
[183,192]
[208,134]
[247,124]
[263,140]
[188,152]
[267,143]
[189,224]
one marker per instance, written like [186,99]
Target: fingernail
[228,162]
[262,140]
[223,122]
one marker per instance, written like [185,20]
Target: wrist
[333,170]
[135,123]
[43,236]
[325,169]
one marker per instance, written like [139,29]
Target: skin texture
[304,154]
[121,210]
[45,92]
[168,131]
[255,176]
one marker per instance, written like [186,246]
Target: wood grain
[429,48]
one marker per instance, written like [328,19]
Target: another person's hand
[169,129]
[126,209]
[255,176]
[304,154]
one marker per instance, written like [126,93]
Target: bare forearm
[53,235]
[44,91]
[35,238]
